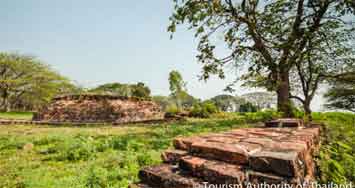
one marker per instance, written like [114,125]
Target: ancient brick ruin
[244,157]
[99,108]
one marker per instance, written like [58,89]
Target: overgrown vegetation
[337,155]
[42,157]
[102,157]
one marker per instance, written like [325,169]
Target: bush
[172,110]
[203,110]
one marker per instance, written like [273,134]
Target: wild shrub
[203,110]
[172,110]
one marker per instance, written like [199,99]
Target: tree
[25,81]
[342,93]
[267,36]
[177,87]
[320,61]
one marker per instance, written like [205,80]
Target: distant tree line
[180,101]
[26,83]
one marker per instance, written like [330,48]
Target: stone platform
[237,157]
[96,109]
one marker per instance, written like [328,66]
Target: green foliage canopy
[266,36]
[26,82]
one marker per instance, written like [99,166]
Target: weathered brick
[184,143]
[223,139]
[173,156]
[239,132]
[265,133]
[232,153]
[260,141]
[167,176]
[285,163]
[192,164]
[214,172]
[286,145]
[282,131]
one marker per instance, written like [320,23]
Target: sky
[94,42]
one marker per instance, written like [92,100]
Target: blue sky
[95,42]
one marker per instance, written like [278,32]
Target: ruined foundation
[99,109]
[243,157]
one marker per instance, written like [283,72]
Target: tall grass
[337,155]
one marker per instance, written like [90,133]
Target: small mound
[99,108]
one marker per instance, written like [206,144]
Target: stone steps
[168,176]
[215,172]
[173,156]
[252,155]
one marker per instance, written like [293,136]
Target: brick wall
[99,108]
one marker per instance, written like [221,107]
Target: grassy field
[43,157]
[16,115]
[106,156]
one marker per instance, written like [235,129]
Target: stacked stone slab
[99,109]
[238,157]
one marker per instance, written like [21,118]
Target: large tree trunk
[283,94]
[307,110]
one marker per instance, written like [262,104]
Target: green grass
[107,156]
[42,157]
[337,155]
[16,115]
